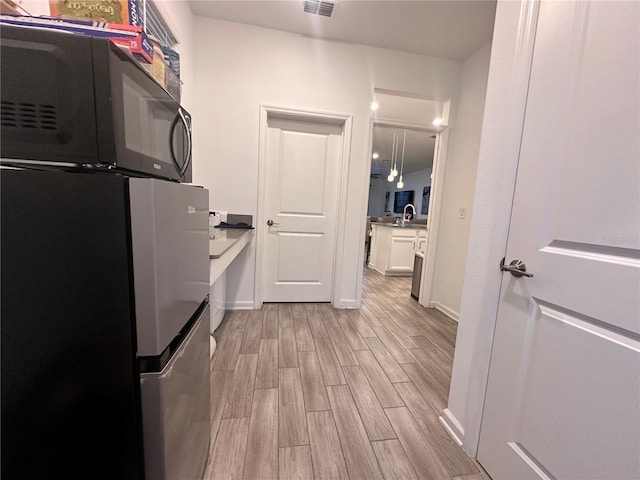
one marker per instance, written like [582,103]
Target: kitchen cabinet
[393,248]
[421,241]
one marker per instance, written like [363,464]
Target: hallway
[306,391]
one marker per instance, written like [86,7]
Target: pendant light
[404,141]
[392,168]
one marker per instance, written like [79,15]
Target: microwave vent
[28,115]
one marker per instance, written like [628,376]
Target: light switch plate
[462,213]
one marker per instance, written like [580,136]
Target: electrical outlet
[462,213]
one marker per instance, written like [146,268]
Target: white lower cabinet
[393,249]
[401,254]
[217,299]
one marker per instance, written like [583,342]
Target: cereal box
[126,12]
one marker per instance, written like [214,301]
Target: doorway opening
[403,193]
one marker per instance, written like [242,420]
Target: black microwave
[69,100]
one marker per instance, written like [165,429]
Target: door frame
[345,121]
[435,198]
[502,129]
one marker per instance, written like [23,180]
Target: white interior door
[563,397]
[301,185]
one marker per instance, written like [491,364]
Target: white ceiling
[451,29]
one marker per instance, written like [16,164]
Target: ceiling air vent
[319,7]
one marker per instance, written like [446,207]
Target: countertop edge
[229,243]
[412,226]
[218,265]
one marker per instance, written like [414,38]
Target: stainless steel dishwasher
[417,275]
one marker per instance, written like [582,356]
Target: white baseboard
[250,305]
[348,303]
[240,305]
[452,426]
[449,312]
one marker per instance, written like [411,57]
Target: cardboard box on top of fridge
[172,59]
[126,35]
[125,12]
[140,46]
[84,27]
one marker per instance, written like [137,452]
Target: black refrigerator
[82,289]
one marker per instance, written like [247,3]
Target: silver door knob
[517,268]
[271,223]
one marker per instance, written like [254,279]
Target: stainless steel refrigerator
[104,326]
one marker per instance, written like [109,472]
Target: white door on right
[563,397]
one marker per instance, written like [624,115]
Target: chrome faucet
[404,213]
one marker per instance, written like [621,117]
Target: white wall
[376,197]
[459,184]
[238,67]
[497,165]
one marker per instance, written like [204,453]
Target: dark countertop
[414,226]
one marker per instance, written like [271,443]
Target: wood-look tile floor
[304,391]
